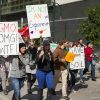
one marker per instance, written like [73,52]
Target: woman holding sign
[17,73]
[73,73]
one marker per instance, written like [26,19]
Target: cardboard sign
[79,60]
[53,46]
[9,44]
[38,21]
[70,57]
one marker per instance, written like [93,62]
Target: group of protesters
[39,63]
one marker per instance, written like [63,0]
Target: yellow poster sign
[70,57]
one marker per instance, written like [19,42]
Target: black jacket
[47,63]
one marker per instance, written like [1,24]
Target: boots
[29,88]
[5,92]
[15,97]
[40,94]
[50,93]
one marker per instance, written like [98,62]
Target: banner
[79,60]
[38,21]
[9,44]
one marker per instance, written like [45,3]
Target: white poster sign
[79,60]
[38,21]
[9,44]
[53,46]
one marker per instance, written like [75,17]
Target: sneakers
[93,79]
[82,81]
[5,92]
[29,91]
[66,98]
[74,91]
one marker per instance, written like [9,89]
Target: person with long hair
[31,70]
[44,73]
[73,73]
[18,70]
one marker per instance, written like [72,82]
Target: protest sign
[9,44]
[79,60]
[53,46]
[70,57]
[38,21]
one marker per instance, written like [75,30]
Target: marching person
[44,73]
[60,67]
[73,73]
[31,70]
[80,44]
[18,71]
[3,74]
[89,55]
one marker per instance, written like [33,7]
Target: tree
[91,26]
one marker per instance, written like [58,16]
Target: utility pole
[54,8]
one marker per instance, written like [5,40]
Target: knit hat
[22,45]
[46,43]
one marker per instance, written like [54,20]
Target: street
[89,91]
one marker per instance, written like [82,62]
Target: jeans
[45,79]
[31,78]
[17,83]
[92,68]
[3,79]
[73,77]
[81,73]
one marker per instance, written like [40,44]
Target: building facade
[65,15]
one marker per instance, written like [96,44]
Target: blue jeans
[45,79]
[92,68]
[17,83]
[81,73]
[73,77]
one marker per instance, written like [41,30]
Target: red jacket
[88,52]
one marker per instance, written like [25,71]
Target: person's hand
[91,55]
[41,54]
[63,60]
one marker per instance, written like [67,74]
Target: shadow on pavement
[30,97]
[80,86]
